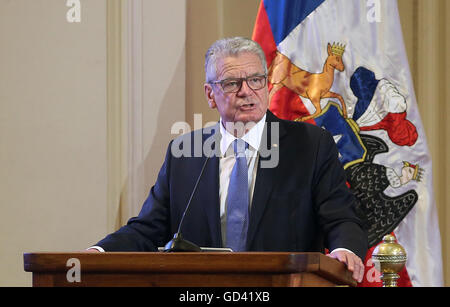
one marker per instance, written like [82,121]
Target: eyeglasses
[234,85]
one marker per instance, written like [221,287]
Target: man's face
[246,105]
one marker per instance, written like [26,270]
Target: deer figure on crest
[314,86]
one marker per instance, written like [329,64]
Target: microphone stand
[178,244]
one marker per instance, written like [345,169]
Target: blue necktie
[238,200]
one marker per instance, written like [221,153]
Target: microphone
[178,244]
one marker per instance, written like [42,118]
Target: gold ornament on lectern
[389,258]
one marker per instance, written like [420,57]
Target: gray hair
[231,47]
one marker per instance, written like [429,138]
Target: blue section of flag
[285,15]
[348,144]
[363,84]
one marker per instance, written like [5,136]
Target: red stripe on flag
[286,104]
[262,33]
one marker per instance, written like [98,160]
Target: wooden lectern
[203,269]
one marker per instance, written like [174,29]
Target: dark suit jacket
[302,204]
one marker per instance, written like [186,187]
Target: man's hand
[353,262]
[91,250]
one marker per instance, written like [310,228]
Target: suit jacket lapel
[265,176]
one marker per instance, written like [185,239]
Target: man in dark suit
[297,196]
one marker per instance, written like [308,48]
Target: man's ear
[209,93]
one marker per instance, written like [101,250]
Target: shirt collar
[252,137]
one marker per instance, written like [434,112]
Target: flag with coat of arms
[342,65]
